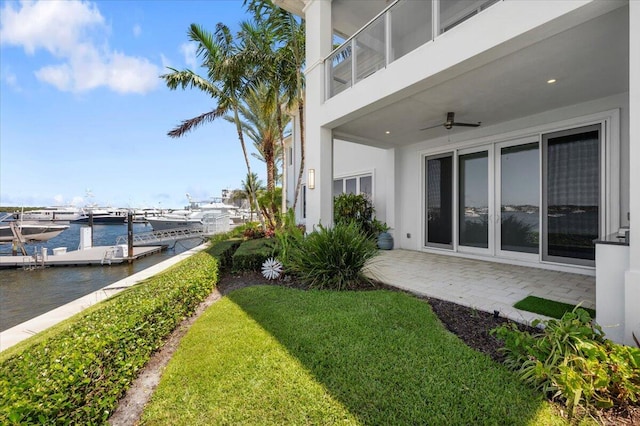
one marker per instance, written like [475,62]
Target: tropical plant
[333,258]
[282,63]
[269,202]
[571,360]
[225,80]
[251,186]
[259,123]
[288,237]
[359,209]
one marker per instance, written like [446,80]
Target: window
[361,184]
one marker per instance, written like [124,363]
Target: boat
[193,216]
[31,231]
[103,216]
[52,214]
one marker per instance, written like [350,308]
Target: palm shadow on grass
[388,360]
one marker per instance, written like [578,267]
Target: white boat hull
[32,232]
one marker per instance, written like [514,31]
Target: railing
[399,29]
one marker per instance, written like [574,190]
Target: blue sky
[82,107]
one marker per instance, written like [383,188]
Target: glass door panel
[519,198]
[439,201]
[473,200]
[571,195]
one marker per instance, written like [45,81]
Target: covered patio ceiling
[589,61]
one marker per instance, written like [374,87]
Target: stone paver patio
[483,285]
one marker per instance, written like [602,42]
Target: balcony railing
[402,27]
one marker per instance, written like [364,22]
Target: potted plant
[385,239]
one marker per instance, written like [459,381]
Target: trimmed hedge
[77,375]
[223,251]
[252,253]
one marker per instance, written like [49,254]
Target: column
[318,139]
[632,276]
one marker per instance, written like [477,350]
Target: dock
[104,255]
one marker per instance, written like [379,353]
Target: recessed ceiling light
[551,81]
[388,132]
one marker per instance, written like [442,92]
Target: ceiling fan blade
[466,124]
[433,127]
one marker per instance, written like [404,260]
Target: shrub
[572,361]
[251,254]
[78,374]
[333,258]
[289,237]
[356,208]
[223,251]
[251,231]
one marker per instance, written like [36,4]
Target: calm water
[27,294]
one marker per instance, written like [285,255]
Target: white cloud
[137,30]
[77,201]
[166,62]
[75,33]
[189,52]
[11,80]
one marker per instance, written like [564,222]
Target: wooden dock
[104,255]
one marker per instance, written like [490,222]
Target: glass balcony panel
[455,12]
[410,26]
[340,70]
[370,49]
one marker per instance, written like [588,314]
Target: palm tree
[284,63]
[251,185]
[225,81]
[260,123]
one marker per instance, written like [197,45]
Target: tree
[225,81]
[251,185]
[285,62]
[260,123]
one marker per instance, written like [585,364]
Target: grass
[548,307]
[273,355]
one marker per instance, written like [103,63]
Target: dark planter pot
[385,241]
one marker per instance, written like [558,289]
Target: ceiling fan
[451,122]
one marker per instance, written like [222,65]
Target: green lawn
[272,355]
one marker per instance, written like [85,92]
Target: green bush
[359,209]
[223,251]
[252,253]
[77,374]
[333,258]
[572,361]
[289,237]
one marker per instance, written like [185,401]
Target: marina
[102,255]
[27,293]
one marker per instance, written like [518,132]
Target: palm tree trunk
[301,172]
[246,159]
[284,157]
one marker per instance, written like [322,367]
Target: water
[27,294]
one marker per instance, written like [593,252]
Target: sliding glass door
[571,195]
[439,201]
[518,199]
[534,199]
[475,209]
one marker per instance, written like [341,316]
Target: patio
[483,285]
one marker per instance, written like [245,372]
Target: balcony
[399,29]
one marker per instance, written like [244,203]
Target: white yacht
[52,214]
[31,231]
[192,216]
